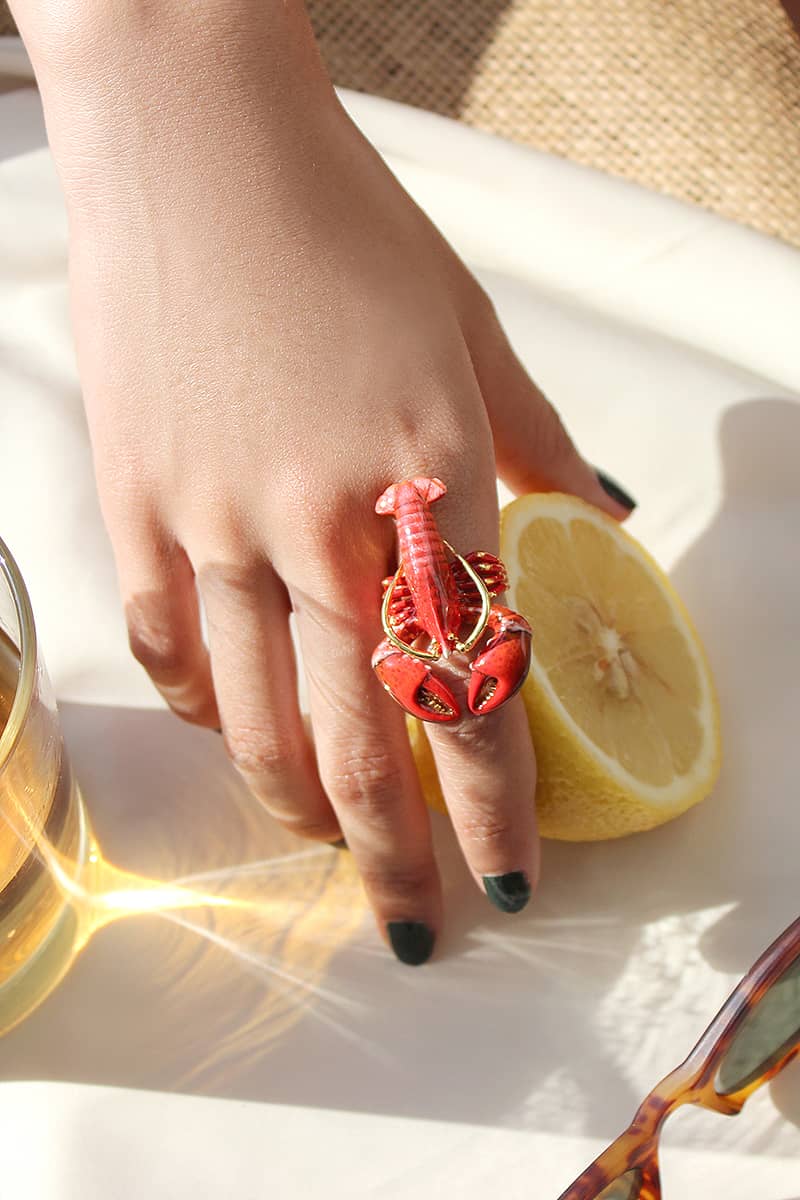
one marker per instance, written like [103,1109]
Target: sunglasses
[753,1036]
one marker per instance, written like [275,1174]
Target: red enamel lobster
[444,636]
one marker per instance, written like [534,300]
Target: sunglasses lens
[624,1188]
[764,1035]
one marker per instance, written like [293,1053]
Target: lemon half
[620,699]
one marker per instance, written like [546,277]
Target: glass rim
[23,693]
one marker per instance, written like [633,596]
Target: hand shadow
[741,580]
[741,583]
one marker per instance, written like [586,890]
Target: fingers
[362,782]
[366,766]
[486,764]
[255,679]
[163,618]
[533,449]
[487,771]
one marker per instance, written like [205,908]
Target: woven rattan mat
[699,99]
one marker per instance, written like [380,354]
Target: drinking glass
[44,836]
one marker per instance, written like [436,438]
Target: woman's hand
[269,333]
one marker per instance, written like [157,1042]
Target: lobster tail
[427,490]
[387,501]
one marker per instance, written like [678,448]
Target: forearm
[188,139]
[138,86]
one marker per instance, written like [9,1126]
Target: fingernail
[411,941]
[510,892]
[613,489]
[340,845]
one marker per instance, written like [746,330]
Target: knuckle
[242,578]
[328,549]
[486,828]
[397,880]
[369,780]
[477,738]
[318,527]
[162,653]
[253,753]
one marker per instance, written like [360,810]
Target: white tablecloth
[668,338]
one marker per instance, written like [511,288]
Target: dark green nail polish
[613,489]
[411,941]
[510,892]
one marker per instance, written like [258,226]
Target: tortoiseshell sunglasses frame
[693,1082]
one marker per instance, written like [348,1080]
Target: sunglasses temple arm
[650,1186]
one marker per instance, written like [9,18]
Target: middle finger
[366,766]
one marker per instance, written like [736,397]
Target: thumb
[534,452]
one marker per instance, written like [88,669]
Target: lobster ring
[476,653]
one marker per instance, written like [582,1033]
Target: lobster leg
[500,670]
[413,685]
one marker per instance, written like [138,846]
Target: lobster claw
[413,685]
[500,670]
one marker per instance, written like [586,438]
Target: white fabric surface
[668,340]
[126,1145]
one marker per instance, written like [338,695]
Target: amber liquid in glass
[42,843]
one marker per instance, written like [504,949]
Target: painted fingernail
[411,941]
[340,845]
[510,892]
[613,489]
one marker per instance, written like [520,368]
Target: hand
[269,333]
